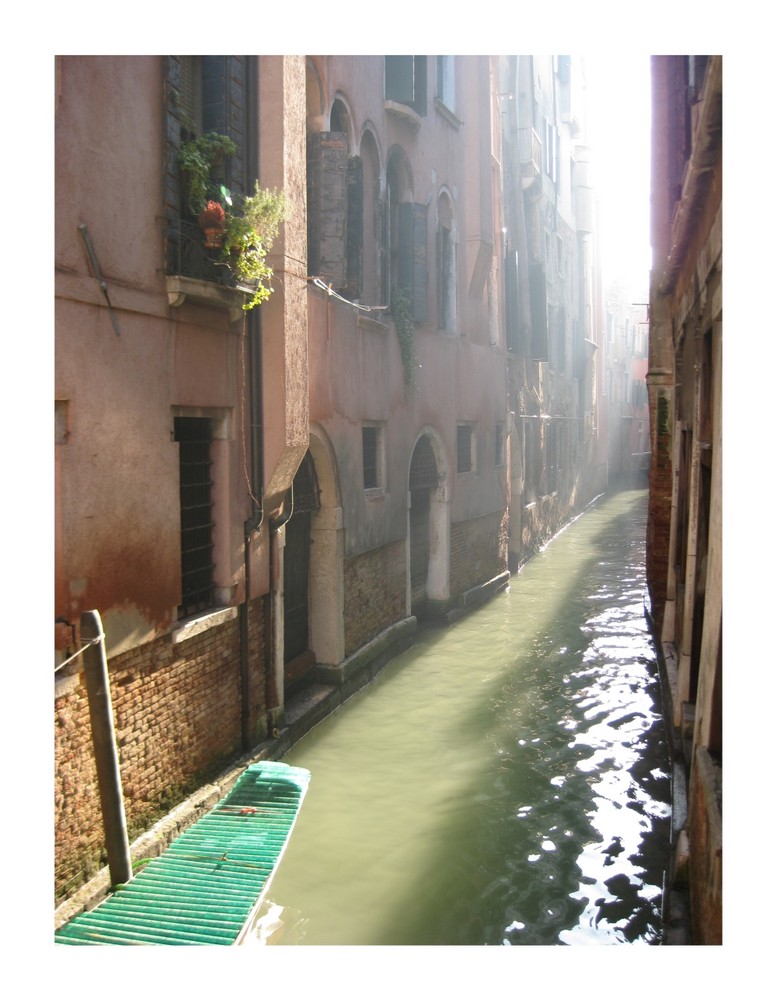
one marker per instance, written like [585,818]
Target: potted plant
[248,237]
[213,221]
[197,160]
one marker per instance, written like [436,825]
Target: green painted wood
[208,884]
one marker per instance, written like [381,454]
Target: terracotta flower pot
[213,238]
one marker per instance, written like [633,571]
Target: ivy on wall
[403,322]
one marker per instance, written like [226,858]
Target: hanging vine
[403,322]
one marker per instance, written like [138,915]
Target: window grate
[370,456]
[194,436]
[423,467]
[307,492]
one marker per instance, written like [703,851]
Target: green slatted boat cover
[209,883]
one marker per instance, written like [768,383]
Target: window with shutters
[371,249]
[335,207]
[405,239]
[446,266]
[405,81]
[204,94]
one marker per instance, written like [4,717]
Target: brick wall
[177,716]
[478,551]
[375,585]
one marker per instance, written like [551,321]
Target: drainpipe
[255,521]
[256,518]
[106,756]
[271,700]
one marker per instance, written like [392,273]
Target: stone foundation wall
[177,718]
[375,587]
[478,551]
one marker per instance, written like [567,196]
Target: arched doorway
[298,656]
[428,528]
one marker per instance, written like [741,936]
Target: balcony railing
[196,273]
[187,256]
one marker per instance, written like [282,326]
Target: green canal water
[503,782]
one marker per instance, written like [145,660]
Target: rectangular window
[194,436]
[464,448]
[406,81]
[372,456]
[445,81]
[205,94]
[60,421]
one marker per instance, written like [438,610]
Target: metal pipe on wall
[256,444]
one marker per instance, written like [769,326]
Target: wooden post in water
[105,752]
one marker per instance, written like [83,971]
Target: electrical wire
[320,283]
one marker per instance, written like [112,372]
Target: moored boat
[209,884]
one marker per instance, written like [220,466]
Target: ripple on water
[506,781]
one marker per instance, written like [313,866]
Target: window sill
[181,289]
[375,493]
[201,623]
[404,112]
[365,323]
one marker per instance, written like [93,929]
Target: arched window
[335,203]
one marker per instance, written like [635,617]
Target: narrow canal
[503,782]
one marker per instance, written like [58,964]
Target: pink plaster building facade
[412,412]
[161,375]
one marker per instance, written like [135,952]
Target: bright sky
[619,132]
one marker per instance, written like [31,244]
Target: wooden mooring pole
[105,752]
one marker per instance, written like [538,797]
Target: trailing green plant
[403,322]
[250,226]
[248,237]
[197,160]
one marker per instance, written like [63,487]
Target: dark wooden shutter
[406,81]
[355,227]
[327,172]
[399,79]
[413,276]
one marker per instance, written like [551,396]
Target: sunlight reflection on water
[505,781]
